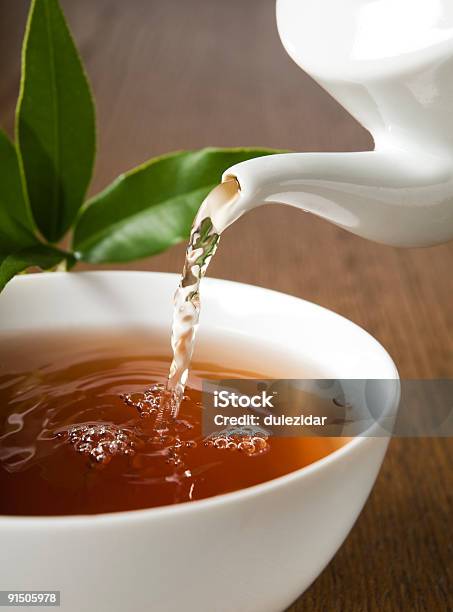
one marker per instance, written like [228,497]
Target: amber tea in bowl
[79,436]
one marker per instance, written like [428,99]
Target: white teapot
[390,64]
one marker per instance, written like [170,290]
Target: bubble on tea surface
[147,402]
[154,401]
[249,440]
[100,442]
[157,403]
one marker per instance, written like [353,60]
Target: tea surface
[70,444]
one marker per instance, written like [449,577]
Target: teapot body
[388,62]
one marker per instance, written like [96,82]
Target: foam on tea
[78,435]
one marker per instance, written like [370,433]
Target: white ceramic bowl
[253,550]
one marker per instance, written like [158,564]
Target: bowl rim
[206,504]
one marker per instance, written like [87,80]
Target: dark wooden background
[174,74]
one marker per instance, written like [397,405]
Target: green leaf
[55,121]
[42,256]
[152,207]
[16,223]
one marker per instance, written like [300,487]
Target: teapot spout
[390,196]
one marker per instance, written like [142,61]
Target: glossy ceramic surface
[390,64]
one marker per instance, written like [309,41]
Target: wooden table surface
[179,74]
